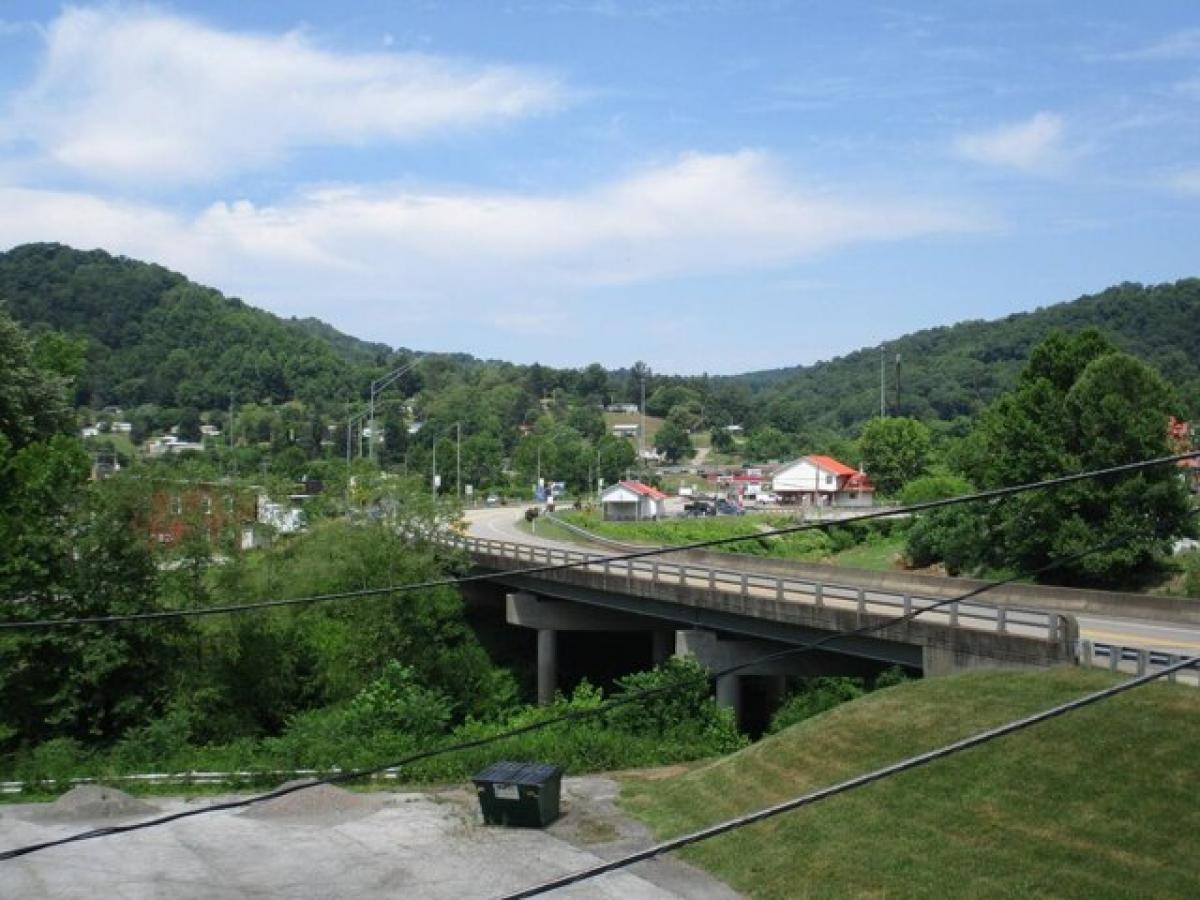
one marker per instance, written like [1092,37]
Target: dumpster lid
[506,772]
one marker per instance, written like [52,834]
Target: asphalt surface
[365,846]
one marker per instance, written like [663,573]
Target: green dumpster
[519,794]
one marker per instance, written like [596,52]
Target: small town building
[632,501]
[629,430]
[817,480]
[177,509]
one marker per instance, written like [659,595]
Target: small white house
[631,501]
[630,430]
[822,481]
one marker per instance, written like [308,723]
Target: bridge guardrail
[958,614]
[1049,626]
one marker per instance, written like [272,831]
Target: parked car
[766,497]
[726,508]
[699,508]
[492,500]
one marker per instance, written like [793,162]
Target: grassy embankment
[1098,803]
[870,550]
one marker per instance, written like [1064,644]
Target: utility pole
[898,409]
[882,402]
[642,430]
[232,443]
[458,459]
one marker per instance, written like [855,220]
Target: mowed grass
[1099,803]
[878,555]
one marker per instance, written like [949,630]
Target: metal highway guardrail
[819,594]
[823,594]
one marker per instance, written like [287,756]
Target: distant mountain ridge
[156,337]
[955,370]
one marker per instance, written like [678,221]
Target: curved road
[501,524]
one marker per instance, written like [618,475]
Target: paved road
[500,524]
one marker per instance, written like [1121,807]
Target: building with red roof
[631,501]
[817,480]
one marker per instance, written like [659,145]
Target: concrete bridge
[725,616]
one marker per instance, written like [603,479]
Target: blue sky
[706,186]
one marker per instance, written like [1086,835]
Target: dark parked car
[699,508]
[725,508]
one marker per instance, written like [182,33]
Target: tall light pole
[642,430]
[377,387]
[882,362]
[457,457]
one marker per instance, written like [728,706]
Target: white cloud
[1177,45]
[149,96]
[403,255]
[1185,182]
[1035,145]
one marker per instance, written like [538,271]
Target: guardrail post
[819,595]
[1085,653]
[1114,657]
[907,605]
[654,571]
[1171,660]
[1143,661]
[1002,619]
[745,584]
[683,573]
[712,579]
[862,602]
[954,614]
[779,589]
[607,565]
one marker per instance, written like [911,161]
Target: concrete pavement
[339,845]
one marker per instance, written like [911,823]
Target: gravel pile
[322,801]
[93,801]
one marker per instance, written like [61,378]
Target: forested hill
[156,337]
[954,371]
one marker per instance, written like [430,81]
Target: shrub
[813,696]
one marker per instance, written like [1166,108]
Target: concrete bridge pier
[715,653]
[547,665]
[550,617]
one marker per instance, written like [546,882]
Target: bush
[813,696]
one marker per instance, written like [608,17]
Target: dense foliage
[1079,405]
[168,351]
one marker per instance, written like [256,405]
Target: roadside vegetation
[875,545]
[1096,803]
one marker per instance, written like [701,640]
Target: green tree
[673,441]
[722,441]
[894,452]
[768,442]
[1080,405]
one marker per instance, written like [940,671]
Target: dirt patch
[89,802]
[323,801]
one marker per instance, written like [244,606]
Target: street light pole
[377,387]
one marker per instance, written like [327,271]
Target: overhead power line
[849,784]
[408,587]
[570,716]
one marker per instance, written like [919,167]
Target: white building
[630,430]
[631,501]
[822,481]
